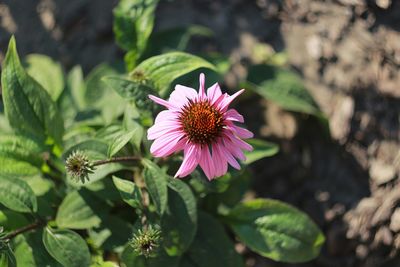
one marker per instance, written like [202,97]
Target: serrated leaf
[276,230]
[129,192]
[46,72]
[119,142]
[28,107]
[78,210]
[164,69]
[212,247]
[283,87]
[67,247]
[261,149]
[179,222]
[16,195]
[156,184]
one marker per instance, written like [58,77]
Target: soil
[347,51]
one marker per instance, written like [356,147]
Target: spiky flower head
[146,241]
[79,166]
[203,126]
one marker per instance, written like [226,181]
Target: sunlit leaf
[29,108]
[276,230]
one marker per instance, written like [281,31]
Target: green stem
[118,159]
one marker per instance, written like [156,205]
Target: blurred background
[348,54]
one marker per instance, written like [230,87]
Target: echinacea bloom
[202,125]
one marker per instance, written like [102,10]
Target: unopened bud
[79,166]
[146,241]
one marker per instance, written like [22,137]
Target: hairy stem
[27,228]
[118,159]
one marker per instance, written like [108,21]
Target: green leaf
[130,258]
[29,108]
[136,91]
[175,39]
[16,195]
[11,220]
[261,149]
[78,210]
[156,184]
[7,258]
[67,247]
[46,72]
[130,124]
[282,87]
[133,24]
[212,247]
[15,168]
[30,251]
[179,222]
[129,192]
[100,96]
[105,264]
[21,149]
[76,85]
[112,234]
[276,230]
[96,90]
[119,142]
[164,69]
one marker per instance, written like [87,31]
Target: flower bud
[146,241]
[79,166]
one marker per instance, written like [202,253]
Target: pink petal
[181,95]
[190,160]
[202,94]
[242,132]
[232,161]
[162,128]
[233,115]
[168,144]
[162,102]
[213,93]
[206,163]
[238,142]
[227,101]
[221,165]
[166,115]
[235,151]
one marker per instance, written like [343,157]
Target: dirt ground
[347,51]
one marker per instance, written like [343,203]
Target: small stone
[395,221]
[341,117]
[381,172]
[384,236]
[384,4]
[361,251]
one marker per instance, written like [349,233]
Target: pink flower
[202,125]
